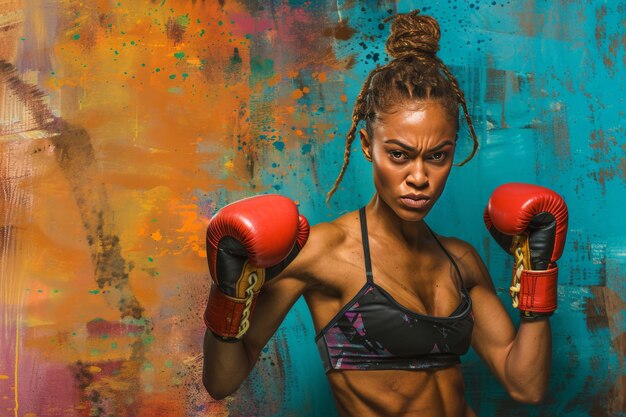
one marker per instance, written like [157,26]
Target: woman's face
[411,151]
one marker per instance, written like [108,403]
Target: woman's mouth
[415,202]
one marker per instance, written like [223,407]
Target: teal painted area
[261,68]
[545,84]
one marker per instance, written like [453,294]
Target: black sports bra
[373,331]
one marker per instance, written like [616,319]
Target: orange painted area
[162,121]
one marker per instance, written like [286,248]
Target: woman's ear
[366,144]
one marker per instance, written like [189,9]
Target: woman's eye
[397,154]
[438,156]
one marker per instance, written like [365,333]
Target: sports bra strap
[447,253]
[366,248]
[366,245]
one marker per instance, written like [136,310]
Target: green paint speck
[114,345]
[220,23]
[77,36]
[172,76]
[93,291]
[158,70]
[169,363]
[150,259]
[183,20]
[185,75]
[179,55]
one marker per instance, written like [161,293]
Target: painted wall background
[124,125]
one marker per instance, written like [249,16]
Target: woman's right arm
[252,237]
[226,365]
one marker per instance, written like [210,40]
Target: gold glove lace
[245,322]
[518,255]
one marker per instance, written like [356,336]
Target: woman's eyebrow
[411,148]
[441,145]
[400,144]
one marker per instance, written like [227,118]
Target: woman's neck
[382,220]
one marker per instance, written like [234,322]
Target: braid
[461,97]
[360,112]
[414,75]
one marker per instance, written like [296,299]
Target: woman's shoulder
[327,242]
[332,234]
[456,246]
[468,260]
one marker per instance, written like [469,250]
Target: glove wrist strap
[537,293]
[227,317]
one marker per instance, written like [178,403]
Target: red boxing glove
[530,222]
[248,242]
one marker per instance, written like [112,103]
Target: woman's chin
[406,211]
[411,214]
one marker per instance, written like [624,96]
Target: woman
[394,304]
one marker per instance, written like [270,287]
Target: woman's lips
[415,202]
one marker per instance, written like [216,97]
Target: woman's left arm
[519,359]
[529,222]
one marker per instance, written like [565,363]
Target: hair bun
[413,34]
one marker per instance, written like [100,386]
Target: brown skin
[411,154]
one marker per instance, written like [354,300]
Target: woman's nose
[418,177]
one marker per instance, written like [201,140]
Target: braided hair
[415,74]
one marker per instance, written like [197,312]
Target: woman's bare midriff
[382,393]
